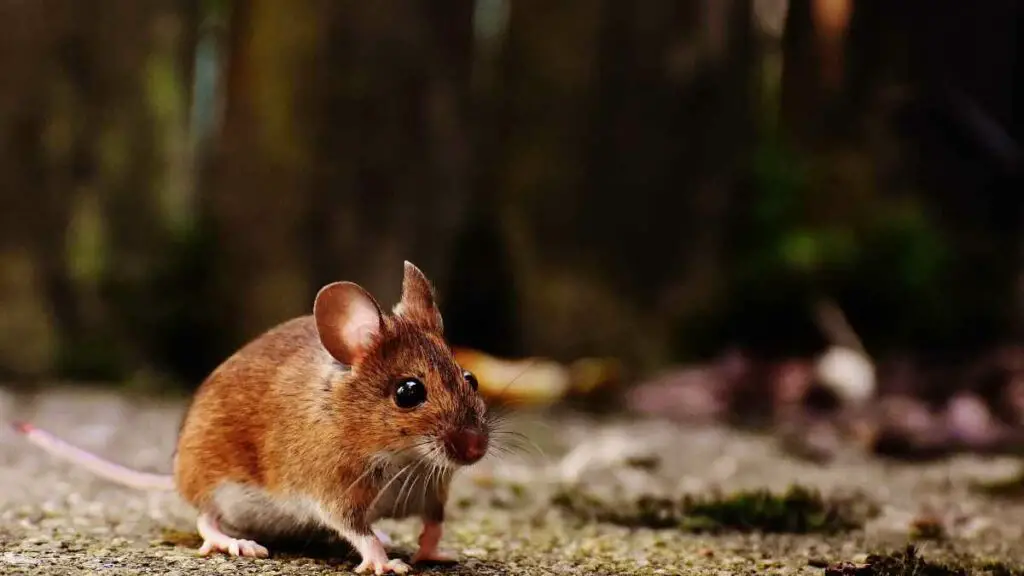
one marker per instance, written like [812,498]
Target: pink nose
[466,446]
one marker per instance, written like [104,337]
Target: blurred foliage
[889,247]
[654,181]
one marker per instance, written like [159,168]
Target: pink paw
[215,540]
[233,547]
[395,566]
[432,555]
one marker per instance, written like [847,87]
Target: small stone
[927,526]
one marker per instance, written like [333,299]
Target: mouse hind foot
[215,540]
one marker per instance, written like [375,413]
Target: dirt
[504,516]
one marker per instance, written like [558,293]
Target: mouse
[326,422]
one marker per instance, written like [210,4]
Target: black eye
[410,393]
[471,379]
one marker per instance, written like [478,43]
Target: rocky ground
[509,514]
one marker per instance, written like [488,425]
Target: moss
[649,463]
[518,490]
[508,495]
[172,537]
[909,563]
[799,510]
[1012,487]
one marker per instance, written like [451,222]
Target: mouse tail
[103,468]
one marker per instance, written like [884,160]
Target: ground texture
[506,516]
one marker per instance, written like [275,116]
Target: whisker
[383,490]
[513,444]
[404,469]
[500,419]
[504,450]
[517,450]
[512,451]
[518,440]
[397,505]
[434,477]
[529,364]
[400,504]
[367,472]
[499,424]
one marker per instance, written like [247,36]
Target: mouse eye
[410,393]
[471,379]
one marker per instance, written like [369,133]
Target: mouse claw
[215,540]
[254,550]
[395,566]
[233,547]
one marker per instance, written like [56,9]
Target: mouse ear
[347,319]
[418,303]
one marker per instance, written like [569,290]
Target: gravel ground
[55,519]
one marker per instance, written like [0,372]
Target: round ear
[347,320]
[418,300]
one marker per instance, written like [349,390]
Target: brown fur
[285,416]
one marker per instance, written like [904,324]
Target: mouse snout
[465,445]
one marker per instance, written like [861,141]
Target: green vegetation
[909,563]
[798,511]
[1012,487]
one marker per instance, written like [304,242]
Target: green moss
[909,563]
[798,511]
[518,490]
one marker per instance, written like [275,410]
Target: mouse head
[404,387]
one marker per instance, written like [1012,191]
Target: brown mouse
[330,420]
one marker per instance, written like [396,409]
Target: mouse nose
[466,445]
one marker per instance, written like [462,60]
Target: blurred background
[662,183]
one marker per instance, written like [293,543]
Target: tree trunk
[592,158]
[345,151]
[92,111]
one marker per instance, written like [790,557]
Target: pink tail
[92,462]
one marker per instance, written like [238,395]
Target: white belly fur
[251,512]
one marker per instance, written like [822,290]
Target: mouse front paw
[433,555]
[430,539]
[379,567]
